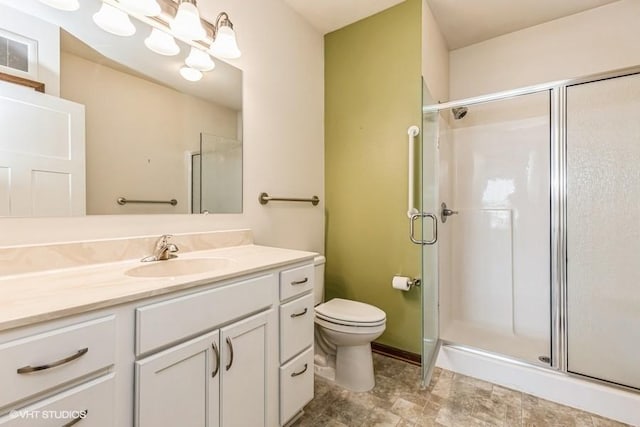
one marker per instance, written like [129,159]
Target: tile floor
[452,400]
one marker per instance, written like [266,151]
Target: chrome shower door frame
[558,196]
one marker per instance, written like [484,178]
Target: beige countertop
[35,297]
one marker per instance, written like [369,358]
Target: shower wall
[495,263]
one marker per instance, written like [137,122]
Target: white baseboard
[609,402]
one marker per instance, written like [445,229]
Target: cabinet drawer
[296,326]
[92,402]
[296,281]
[296,385]
[173,320]
[56,356]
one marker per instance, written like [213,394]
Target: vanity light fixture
[190,74]
[142,7]
[224,39]
[200,60]
[186,24]
[168,19]
[162,43]
[114,21]
[66,5]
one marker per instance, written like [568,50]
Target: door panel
[603,229]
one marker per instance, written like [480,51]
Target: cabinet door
[180,386]
[244,373]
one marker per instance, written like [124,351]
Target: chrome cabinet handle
[230,344]
[412,221]
[300,282]
[302,313]
[216,352]
[81,416]
[29,369]
[295,374]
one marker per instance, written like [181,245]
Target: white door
[180,386]
[244,372]
[42,154]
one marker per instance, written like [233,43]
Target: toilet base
[354,367]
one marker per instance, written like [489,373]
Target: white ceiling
[465,22]
[330,15]
[462,22]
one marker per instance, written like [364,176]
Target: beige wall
[282,64]
[435,57]
[597,40]
[143,132]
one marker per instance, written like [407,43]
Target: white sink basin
[179,267]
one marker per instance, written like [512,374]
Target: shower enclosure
[534,252]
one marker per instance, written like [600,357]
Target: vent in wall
[14,54]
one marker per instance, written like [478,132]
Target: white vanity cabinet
[55,375]
[296,340]
[230,349]
[218,378]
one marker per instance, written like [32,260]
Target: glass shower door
[603,229]
[429,253]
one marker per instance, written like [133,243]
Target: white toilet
[343,333]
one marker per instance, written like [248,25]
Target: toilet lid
[346,310]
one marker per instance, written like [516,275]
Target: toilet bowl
[344,330]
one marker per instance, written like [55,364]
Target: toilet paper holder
[415,282]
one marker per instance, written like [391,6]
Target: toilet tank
[318,280]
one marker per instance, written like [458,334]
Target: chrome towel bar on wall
[124,201]
[264,198]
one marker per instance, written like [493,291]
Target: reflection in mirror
[143,122]
[221,174]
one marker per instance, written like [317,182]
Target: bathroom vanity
[216,337]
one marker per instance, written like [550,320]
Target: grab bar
[123,201]
[413,131]
[264,198]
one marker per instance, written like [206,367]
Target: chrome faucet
[163,250]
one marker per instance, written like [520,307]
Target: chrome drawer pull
[216,352]
[81,416]
[230,344]
[300,282]
[299,314]
[29,369]
[295,374]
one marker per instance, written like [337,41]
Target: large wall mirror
[149,134]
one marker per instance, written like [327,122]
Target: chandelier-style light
[114,21]
[224,39]
[169,19]
[200,60]
[186,24]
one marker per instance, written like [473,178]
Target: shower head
[459,112]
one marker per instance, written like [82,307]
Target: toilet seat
[350,313]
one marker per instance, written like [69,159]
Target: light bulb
[190,74]
[142,7]
[114,21]
[187,24]
[199,60]
[225,45]
[161,43]
[66,5]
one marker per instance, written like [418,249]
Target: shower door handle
[412,221]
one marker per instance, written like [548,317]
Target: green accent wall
[372,95]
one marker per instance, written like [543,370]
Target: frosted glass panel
[221,172]
[603,223]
